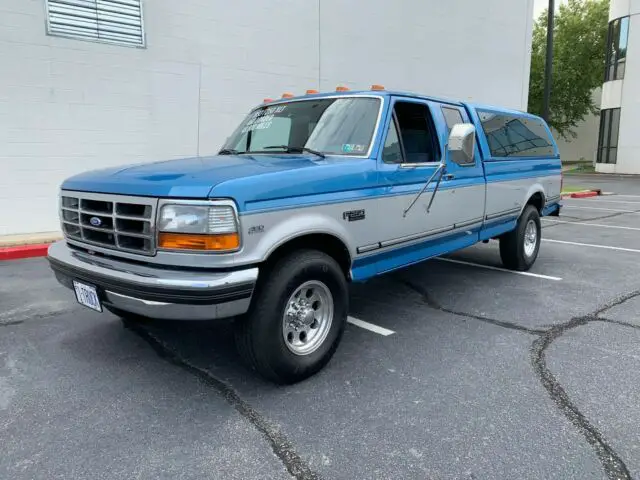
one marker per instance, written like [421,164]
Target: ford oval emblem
[95,221]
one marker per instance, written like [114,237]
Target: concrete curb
[583,194]
[24,251]
[15,247]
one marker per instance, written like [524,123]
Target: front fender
[282,227]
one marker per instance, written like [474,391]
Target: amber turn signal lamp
[377,87]
[189,241]
[341,89]
[311,92]
[287,95]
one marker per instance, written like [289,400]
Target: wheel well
[537,200]
[323,242]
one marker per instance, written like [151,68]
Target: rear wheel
[519,248]
[297,318]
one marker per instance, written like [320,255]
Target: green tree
[580,35]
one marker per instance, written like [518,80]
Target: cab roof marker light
[377,87]
[287,95]
[312,92]
[267,100]
[340,88]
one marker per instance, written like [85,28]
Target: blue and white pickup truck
[308,194]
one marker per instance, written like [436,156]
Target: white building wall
[625,94]
[584,146]
[69,105]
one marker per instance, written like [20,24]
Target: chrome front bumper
[153,291]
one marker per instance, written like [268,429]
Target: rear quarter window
[516,136]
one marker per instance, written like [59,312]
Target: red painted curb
[23,251]
[585,194]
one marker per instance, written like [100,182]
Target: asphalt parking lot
[453,369]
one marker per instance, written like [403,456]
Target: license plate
[87,296]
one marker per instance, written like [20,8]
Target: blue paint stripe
[505,177]
[551,208]
[497,228]
[252,208]
[371,265]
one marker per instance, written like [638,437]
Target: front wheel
[519,248]
[297,318]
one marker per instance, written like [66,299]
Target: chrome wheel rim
[530,238]
[307,319]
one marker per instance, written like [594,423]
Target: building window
[110,21]
[617,41]
[608,139]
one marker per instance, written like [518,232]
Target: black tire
[512,244]
[259,334]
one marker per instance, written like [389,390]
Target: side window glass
[417,132]
[516,135]
[452,116]
[392,152]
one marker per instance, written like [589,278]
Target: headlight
[198,227]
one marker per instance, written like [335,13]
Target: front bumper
[153,291]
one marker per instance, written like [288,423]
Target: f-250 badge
[354,215]
[256,229]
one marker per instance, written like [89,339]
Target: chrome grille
[112,221]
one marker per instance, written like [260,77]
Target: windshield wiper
[289,149]
[230,151]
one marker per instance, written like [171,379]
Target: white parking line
[587,200]
[582,224]
[630,196]
[489,267]
[603,209]
[606,247]
[370,326]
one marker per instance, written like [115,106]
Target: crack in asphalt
[36,316]
[11,322]
[616,322]
[433,303]
[281,446]
[614,467]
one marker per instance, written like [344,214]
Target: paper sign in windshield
[261,119]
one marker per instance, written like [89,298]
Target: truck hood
[184,178]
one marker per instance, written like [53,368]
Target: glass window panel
[615,127]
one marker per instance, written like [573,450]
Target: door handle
[449,176]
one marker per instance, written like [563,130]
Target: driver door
[411,154]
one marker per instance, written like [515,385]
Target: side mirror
[462,144]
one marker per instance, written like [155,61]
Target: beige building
[585,145]
[619,142]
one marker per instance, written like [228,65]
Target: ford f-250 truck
[308,194]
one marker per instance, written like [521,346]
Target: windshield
[335,126]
